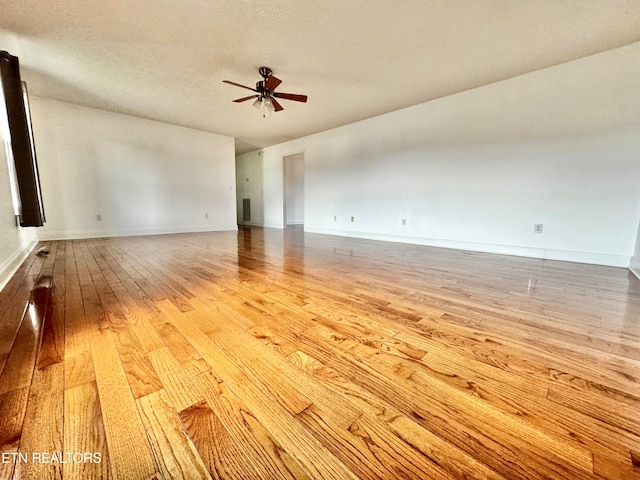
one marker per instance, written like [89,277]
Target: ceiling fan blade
[238,85]
[276,105]
[272,82]
[246,98]
[291,96]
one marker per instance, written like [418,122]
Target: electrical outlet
[335,218]
[206,215]
[404,221]
[537,228]
[353,219]
[98,217]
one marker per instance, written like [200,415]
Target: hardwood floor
[270,355]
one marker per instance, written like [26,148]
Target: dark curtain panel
[31,209]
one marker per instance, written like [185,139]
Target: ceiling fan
[266,97]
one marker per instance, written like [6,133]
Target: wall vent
[246,209]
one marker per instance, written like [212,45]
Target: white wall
[476,170]
[294,189]
[141,176]
[15,242]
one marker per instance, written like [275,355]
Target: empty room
[320,239]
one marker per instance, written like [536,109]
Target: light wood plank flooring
[266,354]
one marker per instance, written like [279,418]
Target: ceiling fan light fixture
[267,99]
[268,104]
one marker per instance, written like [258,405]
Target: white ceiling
[166,59]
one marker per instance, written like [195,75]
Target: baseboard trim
[634,266]
[279,226]
[132,232]
[9,267]
[595,258]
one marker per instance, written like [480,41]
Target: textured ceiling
[166,59]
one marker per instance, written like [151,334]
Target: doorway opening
[294,190]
